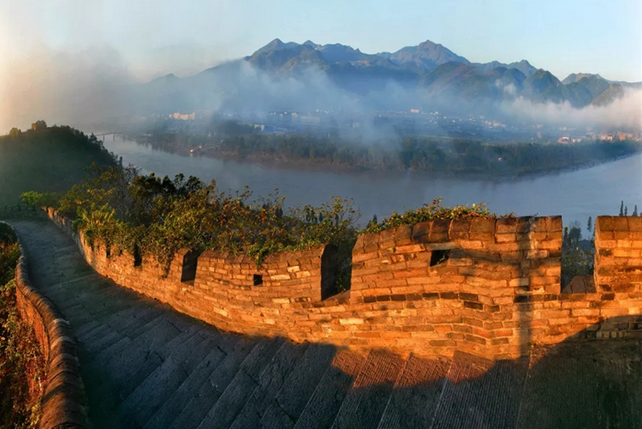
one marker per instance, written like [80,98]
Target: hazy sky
[156,37]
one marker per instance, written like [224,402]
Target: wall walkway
[145,365]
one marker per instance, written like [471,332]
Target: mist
[622,113]
[97,86]
[62,87]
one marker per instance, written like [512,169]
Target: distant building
[415,111]
[183,116]
[624,136]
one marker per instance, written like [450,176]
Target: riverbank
[320,165]
[575,194]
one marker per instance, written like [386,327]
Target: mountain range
[428,71]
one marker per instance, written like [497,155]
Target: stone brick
[459,229]
[475,302]
[439,231]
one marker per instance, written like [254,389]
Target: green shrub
[432,211]
[158,217]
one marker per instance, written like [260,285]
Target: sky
[152,38]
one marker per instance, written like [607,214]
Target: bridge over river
[146,366]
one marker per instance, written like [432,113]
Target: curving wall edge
[63,402]
[489,287]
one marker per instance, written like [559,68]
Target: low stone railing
[63,402]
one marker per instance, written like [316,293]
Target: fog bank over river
[575,195]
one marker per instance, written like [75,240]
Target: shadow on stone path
[145,365]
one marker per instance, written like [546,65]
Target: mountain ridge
[428,69]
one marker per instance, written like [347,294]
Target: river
[575,195]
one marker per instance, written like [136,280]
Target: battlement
[488,287]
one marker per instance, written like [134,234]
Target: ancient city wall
[488,287]
[618,245]
[63,403]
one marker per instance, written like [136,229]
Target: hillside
[48,160]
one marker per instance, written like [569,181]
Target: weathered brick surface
[487,287]
[618,254]
[63,402]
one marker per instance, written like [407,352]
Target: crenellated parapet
[618,254]
[485,286]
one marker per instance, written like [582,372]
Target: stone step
[71,291]
[83,312]
[366,401]
[143,316]
[80,329]
[416,394]
[147,321]
[89,335]
[299,386]
[100,340]
[481,393]
[146,358]
[204,399]
[123,319]
[596,385]
[239,390]
[181,397]
[325,402]
[154,391]
[186,339]
[270,383]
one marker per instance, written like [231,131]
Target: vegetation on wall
[147,215]
[432,211]
[21,363]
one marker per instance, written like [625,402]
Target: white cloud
[624,112]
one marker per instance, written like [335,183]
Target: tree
[622,208]
[574,235]
[635,211]
[374,222]
[626,211]
[39,125]
[589,224]
[15,132]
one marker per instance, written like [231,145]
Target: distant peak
[167,77]
[576,77]
[275,45]
[428,44]
[310,43]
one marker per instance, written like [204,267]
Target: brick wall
[618,253]
[63,403]
[488,287]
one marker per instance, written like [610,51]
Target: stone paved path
[147,366]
